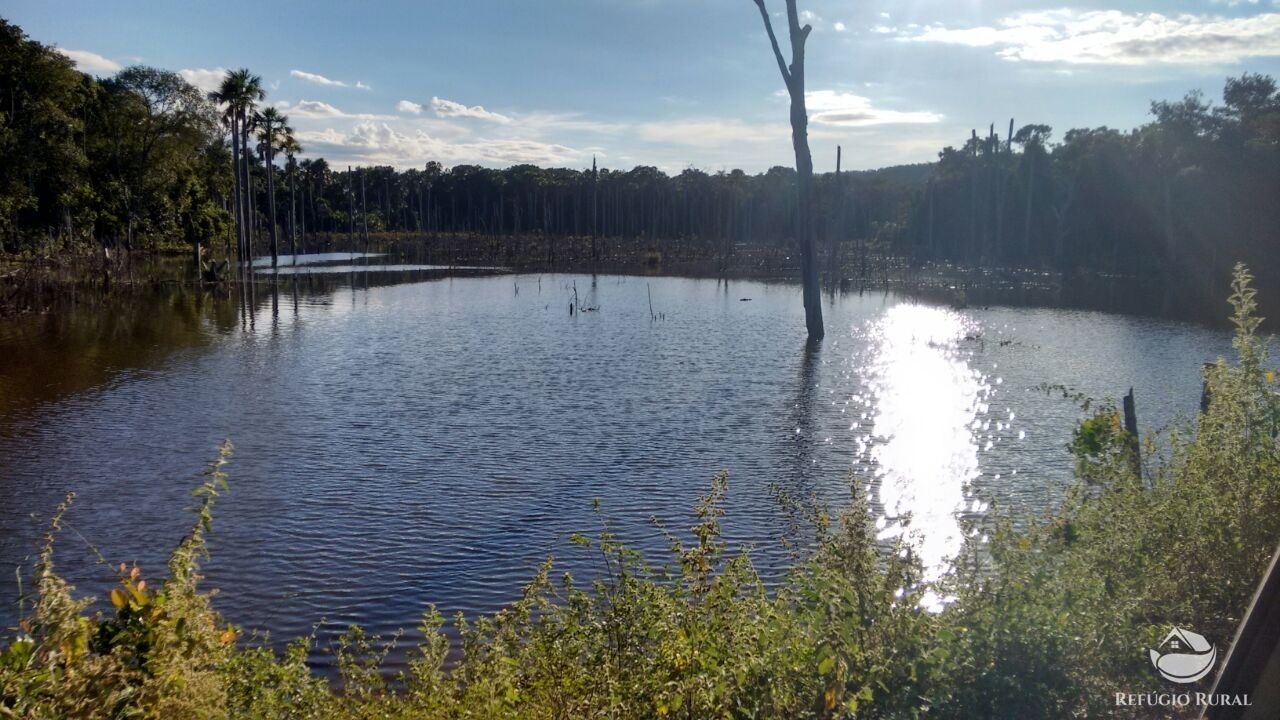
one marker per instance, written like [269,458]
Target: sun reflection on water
[928,407]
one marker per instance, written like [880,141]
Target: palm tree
[248,128]
[272,132]
[239,92]
[289,145]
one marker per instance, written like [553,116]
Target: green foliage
[1171,205]
[1053,617]
[1050,618]
[161,655]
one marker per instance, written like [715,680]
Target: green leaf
[826,665]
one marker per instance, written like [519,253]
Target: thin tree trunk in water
[308,201]
[351,205]
[364,213]
[271,196]
[293,215]
[253,215]
[247,212]
[793,76]
[973,193]
[929,191]
[238,210]
[833,257]
[1026,232]
[595,211]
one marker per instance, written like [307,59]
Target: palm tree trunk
[271,198]
[293,211]
[238,211]
[250,215]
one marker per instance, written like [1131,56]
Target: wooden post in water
[1131,427]
[1205,394]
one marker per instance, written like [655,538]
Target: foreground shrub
[1055,617]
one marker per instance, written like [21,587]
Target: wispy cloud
[406,106]
[317,79]
[317,109]
[543,122]
[711,132]
[91,62]
[1112,37]
[205,79]
[450,109]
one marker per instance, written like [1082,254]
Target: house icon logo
[1184,656]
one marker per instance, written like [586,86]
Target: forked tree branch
[773,40]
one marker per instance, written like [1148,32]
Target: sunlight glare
[929,405]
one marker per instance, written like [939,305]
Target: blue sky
[673,83]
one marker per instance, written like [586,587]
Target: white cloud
[1112,37]
[91,62]
[322,80]
[406,106]
[839,26]
[317,109]
[206,80]
[362,86]
[450,109]
[369,143]
[833,107]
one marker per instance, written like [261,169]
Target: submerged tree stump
[1131,428]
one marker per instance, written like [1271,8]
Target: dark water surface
[404,443]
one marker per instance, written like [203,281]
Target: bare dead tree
[793,77]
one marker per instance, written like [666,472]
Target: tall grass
[1051,617]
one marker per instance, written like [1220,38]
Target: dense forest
[144,160]
[1181,198]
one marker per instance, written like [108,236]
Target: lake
[404,438]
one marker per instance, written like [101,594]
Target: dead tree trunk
[793,77]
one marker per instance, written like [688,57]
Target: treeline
[1181,198]
[144,159]
[134,158]
[644,202]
